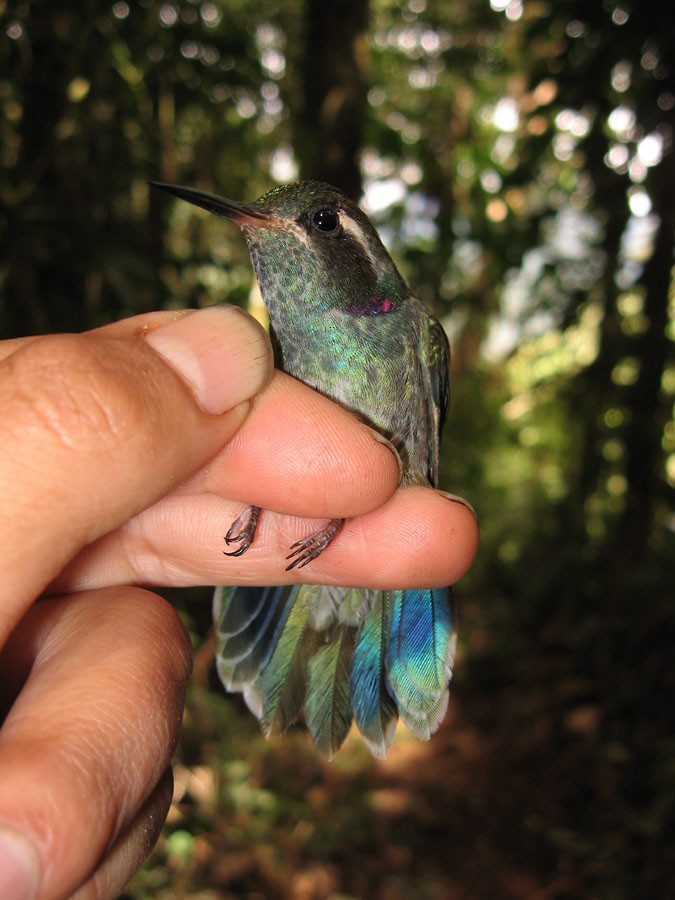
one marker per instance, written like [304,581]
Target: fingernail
[220,352]
[381,439]
[19,873]
[455,499]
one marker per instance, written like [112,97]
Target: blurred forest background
[517,156]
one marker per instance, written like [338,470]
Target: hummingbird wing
[435,357]
[276,349]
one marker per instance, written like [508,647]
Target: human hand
[119,447]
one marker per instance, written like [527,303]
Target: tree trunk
[644,433]
[329,134]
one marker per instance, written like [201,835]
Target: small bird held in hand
[343,321]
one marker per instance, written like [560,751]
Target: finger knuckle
[70,391]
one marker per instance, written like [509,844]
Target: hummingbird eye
[326,220]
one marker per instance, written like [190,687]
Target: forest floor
[525,793]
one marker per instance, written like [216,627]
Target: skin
[125,453]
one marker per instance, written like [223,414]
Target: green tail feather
[339,652]
[283,679]
[424,724]
[328,710]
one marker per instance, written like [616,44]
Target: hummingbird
[342,320]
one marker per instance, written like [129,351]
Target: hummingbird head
[314,251]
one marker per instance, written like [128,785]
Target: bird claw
[242,530]
[308,548]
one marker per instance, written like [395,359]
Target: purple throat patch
[374,306]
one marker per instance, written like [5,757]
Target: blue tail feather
[389,657]
[420,636]
[233,617]
[375,711]
[248,625]
[420,654]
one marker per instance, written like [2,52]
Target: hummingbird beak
[243,214]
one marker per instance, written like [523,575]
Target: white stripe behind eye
[353,229]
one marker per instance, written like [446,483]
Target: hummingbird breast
[348,326]
[369,364]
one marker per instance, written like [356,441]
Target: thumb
[98,426]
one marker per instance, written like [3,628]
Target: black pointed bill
[243,214]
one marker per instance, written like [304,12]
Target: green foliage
[517,157]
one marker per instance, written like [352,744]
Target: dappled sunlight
[284,822]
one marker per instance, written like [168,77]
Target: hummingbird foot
[308,548]
[242,530]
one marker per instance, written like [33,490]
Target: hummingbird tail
[339,654]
